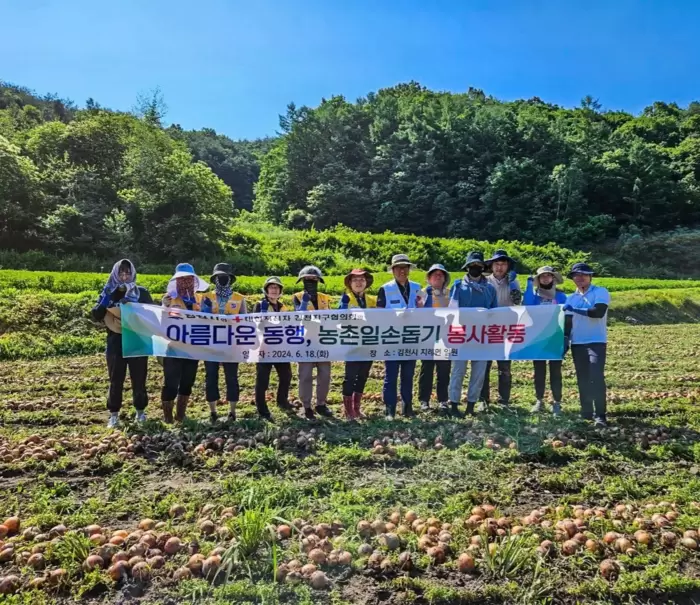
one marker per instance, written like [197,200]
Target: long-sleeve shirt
[507,292]
[533,298]
[114,340]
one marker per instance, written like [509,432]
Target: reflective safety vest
[354,304]
[394,298]
[438,302]
[233,305]
[177,303]
[324,301]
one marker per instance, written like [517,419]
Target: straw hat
[113,319]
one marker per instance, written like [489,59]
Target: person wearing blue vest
[399,293]
[586,329]
[542,290]
[472,291]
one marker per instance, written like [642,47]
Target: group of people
[486,284]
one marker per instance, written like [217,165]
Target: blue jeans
[391,376]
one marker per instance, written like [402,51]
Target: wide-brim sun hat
[474,258]
[270,281]
[113,319]
[223,269]
[187,270]
[311,271]
[558,279]
[439,267]
[359,273]
[582,268]
[500,254]
[401,260]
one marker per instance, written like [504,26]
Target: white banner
[353,335]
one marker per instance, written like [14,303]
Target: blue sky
[234,65]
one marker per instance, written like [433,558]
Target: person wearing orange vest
[179,374]
[357,282]
[437,296]
[310,299]
[222,301]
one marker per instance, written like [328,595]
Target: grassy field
[504,508]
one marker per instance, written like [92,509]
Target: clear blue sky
[234,65]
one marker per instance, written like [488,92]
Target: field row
[65,282]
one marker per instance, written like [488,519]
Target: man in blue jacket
[472,291]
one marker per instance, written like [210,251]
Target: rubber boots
[357,405]
[168,411]
[181,407]
[348,407]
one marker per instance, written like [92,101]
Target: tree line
[89,180]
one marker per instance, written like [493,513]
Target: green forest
[86,181]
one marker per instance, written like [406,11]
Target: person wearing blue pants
[399,293]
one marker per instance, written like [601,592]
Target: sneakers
[324,410]
[482,407]
[140,416]
[389,418]
[538,408]
[286,406]
[113,421]
[309,413]
[556,408]
[444,408]
[600,422]
[425,406]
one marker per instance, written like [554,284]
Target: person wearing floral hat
[586,329]
[472,291]
[437,296]
[399,293]
[504,279]
[271,303]
[310,299]
[222,301]
[179,374]
[357,282]
[542,290]
[121,289]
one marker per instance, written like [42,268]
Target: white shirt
[587,330]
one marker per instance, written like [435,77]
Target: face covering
[475,271]
[185,287]
[222,284]
[115,282]
[311,287]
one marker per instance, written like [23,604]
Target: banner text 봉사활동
[517,333]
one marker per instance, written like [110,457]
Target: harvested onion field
[505,508]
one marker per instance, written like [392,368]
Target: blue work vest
[394,298]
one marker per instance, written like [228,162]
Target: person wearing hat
[504,279]
[542,290]
[222,301]
[399,293]
[121,289]
[437,296]
[271,303]
[585,327]
[310,299]
[357,282]
[179,374]
[472,291]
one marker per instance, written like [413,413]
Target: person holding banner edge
[472,291]
[357,282]
[271,303]
[542,290]
[310,299]
[504,280]
[399,293]
[437,296]
[586,325]
[222,301]
[121,289]
[179,374]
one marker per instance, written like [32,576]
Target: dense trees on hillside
[405,159]
[411,160]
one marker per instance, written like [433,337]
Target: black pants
[138,371]
[262,383]
[178,377]
[505,382]
[425,380]
[356,375]
[211,369]
[541,378]
[589,362]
